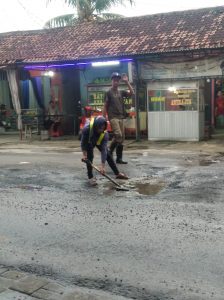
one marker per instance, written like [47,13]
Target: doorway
[218,108]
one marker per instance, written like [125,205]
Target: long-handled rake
[118,186]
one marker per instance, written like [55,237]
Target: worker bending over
[94,135]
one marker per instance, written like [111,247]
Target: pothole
[144,187]
[29,187]
[200,162]
[205,163]
[148,188]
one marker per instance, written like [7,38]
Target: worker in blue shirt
[94,135]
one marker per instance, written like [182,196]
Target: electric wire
[36,19]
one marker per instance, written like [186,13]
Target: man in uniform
[115,109]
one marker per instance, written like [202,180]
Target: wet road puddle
[144,187]
[29,187]
[148,188]
[201,162]
[205,163]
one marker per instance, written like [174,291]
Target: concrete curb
[17,285]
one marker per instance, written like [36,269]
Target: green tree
[86,10]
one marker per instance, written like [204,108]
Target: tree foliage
[86,10]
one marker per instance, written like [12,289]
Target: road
[163,239]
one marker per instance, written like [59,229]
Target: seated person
[219,104]
[219,109]
[4,120]
[52,121]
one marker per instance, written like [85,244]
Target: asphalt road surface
[163,239]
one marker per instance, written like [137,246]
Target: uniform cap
[115,75]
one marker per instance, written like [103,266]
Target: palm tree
[86,10]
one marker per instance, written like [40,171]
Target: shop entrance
[219,105]
[214,107]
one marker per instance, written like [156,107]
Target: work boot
[119,152]
[121,176]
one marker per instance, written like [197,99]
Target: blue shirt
[88,143]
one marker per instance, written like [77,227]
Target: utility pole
[137,101]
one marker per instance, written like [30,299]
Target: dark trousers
[55,126]
[90,156]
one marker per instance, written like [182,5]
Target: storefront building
[95,81]
[181,96]
[174,61]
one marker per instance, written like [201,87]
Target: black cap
[115,75]
[99,122]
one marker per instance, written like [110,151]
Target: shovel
[118,186]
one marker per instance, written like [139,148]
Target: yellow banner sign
[181,102]
[158,99]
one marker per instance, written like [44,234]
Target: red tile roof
[159,33]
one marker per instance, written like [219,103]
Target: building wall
[170,72]
[181,68]
[5,97]
[98,76]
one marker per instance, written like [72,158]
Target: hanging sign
[185,69]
